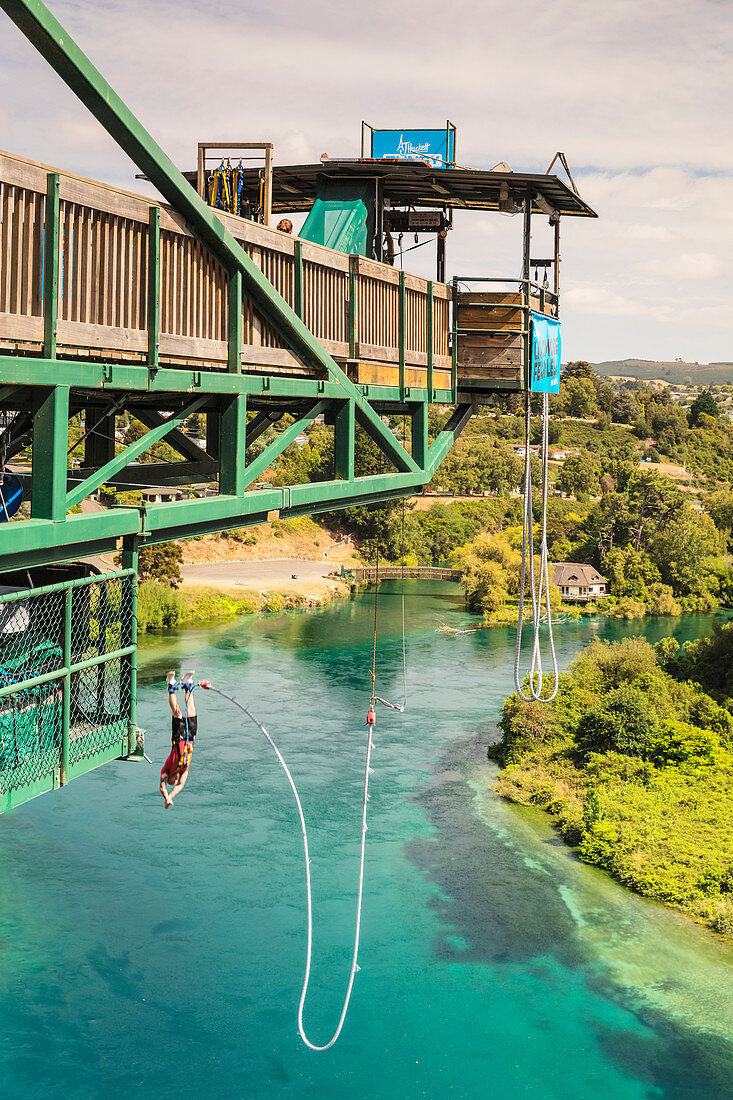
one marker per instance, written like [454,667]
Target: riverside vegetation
[635,762]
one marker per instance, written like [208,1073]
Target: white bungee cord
[535,695]
[309,904]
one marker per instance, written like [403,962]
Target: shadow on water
[501,903]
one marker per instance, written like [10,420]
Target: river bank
[635,767]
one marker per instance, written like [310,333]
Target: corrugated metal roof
[413,183]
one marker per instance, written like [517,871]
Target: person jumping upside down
[183,735]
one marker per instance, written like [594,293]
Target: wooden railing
[370,574]
[387,327]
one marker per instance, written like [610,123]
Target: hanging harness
[220,187]
[543,586]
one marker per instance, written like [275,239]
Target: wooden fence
[387,327]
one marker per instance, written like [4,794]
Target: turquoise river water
[146,953]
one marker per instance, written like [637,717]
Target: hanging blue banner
[437,147]
[545,364]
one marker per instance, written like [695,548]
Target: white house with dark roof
[579,582]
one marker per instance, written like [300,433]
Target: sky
[638,96]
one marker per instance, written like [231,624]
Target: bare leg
[166,797]
[173,704]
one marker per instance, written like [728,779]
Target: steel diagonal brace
[112,468]
[445,439]
[51,40]
[283,441]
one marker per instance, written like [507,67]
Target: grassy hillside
[700,374]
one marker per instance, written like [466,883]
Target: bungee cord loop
[540,590]
[306,856]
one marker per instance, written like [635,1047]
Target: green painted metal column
[66,698]
[129,561]
[51,266]
[430,335]
[235,323]
[402,337]
[298,278]
[233,446]
[353,270]
[344,431]
[50,444]
[420,434]
[154,287]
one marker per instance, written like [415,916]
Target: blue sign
[437,147]
[545,365]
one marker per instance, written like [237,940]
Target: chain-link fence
[67,679]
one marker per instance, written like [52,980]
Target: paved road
[255,573]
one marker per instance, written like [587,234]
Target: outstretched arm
[180,784]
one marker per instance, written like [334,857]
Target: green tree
[160,563]
[705,404]
[579,475]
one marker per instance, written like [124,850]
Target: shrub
[159,607]
[679,744]
[625,722]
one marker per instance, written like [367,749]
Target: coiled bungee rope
[357,929]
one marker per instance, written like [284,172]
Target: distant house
[579,582]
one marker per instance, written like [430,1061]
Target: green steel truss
[44,392]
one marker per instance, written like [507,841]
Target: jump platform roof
[415,183]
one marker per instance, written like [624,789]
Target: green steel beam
[50,444]
[235,323]
[51,248]
[445,439]
[344,435]
[109,376]
[175,438]
[389,444]
[401,333]
[287,436]
[420,434]
[51,40]
[232,477]
[298,277]
[118,463]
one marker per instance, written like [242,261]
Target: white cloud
[637,95]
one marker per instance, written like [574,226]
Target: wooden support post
[430,341]
[353,270]
[233,446]
[402,336]
[154,287]
[298,278]
[344,430]
[420,434]
[51,266]
[50,444]
[235,323]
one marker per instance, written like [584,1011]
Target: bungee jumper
[184,728]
